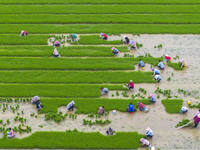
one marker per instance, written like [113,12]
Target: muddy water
[162,123]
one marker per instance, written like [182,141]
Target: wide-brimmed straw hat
[131,81]
[198,115]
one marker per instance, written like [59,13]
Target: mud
[162,123]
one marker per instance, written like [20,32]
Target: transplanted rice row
[52,104]
[101,18]
[14,63]
[55,90]
[75,77]
[78,140]
[98,9]
[98,28]
[172,105]
[69,51]
[15,39]
[101,2]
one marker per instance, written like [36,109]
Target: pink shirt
[141,105]
[196,119]
[12,133]
[168,57]
[131,84]
[100,111]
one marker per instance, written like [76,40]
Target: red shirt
[141,105]
[168,57]
[131,84]
[105,35]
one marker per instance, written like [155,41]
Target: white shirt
[55,52]
[184,109]
[70,104]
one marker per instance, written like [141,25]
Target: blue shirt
[156,71]
[141,63]
[38,105]
[161,65]
[127,40]
[131,106]
[153,98]
[150,133]
[115,50]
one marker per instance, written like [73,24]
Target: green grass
[101,18]
[101,2]
[70,51]
[95,39]
[54,90]
[176,66]
[11,39]
[75,77]
[52,104]
[13,63]
[98,9]
[98,28]
[74,140]
[173,105]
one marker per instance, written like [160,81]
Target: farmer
[35,99]
[133,45]
[103,36]
[149,133]
[10,134]
[161,65]
[115,51]
[183,63]
[141,63]
[101,110]
[38,105]
[141,106]
[126,40]
[70,105]
[145,143]
[74,37]
[130,85]
[196,120]
[153,98]
[104,91]
[130,108]
[156,71]
[109,131]
[55,53]
[24,33]
[157,77]
[56,43]
[168,58]
[183,110]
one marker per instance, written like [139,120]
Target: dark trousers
[130,88]
[55,55]
[157,73]
[72,107]
[105,38]
[196,124]
[159,80]
[160,67]
[56,44]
